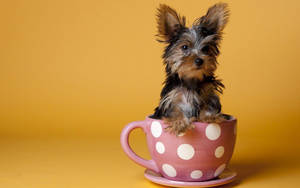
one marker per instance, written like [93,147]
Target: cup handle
[150,164]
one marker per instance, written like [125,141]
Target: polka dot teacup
[198,155]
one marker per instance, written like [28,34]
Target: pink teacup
[198,155]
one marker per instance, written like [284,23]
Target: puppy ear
[169,23]
[215,19]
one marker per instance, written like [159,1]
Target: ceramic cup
[198,155]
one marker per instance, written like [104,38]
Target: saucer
[226,177]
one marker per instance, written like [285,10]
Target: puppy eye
[205,49]
[184,47]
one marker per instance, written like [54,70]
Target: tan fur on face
[175,59]
[188,69]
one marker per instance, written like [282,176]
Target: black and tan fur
[190,91]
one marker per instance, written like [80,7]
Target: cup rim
[232,119]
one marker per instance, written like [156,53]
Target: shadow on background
[259,168]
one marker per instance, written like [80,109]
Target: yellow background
[74,73]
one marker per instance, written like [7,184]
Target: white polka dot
[156,129]
[160,147]
[220,169]
[169,170]
[196,174]
[213,131]
[185,151]
[219,151]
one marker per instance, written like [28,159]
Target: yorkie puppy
[190,91]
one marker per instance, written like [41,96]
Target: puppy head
[191,51]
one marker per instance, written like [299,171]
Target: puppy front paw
[179,126]
[211,118]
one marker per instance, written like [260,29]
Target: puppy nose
[198,62]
